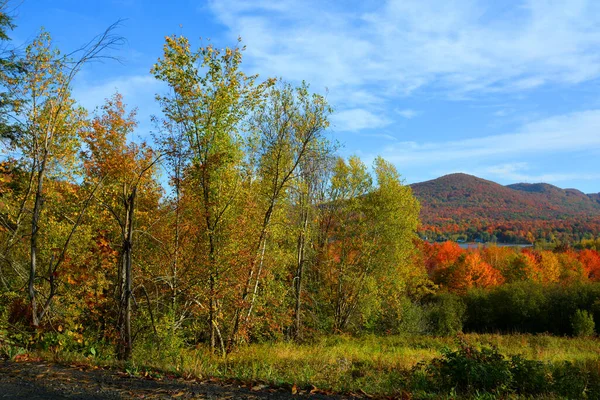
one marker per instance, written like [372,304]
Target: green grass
[375,365]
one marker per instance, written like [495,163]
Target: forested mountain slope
[461,204]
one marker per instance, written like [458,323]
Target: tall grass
[372,364]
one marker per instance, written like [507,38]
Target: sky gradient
[505,90]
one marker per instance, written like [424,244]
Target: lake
[474,245]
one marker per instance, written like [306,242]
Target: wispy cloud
[91,95]
[403,45]
[357,119]
[571,132]
[407,113]
[369,53]
[137,90]
[522,172]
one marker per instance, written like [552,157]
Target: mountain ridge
[460,203]
[511,185]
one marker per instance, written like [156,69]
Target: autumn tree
[393,213]
[49,124]
[290,132]
[174,147]
[127,171]
[12,179]
[439,258]
[307,197]
[210,99]
[591,262]
[343,220]
[472,271]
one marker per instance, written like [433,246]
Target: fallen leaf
[294,389]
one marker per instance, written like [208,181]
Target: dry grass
[377,365]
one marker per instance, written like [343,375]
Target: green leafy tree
[582,323]
[290,130]
[11,68]
[210,100]
[366,243]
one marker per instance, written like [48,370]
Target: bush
[481,316]
[570,381]
[447,314]
[413,319]
[529,376]
[583,323]
[469,370]
[398,316]
[596,314]
[488,373]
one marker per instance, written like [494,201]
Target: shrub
[490,374]
[413,320]
[530,307]
[447,314]
[569,381]
[480,315]
[529,376]
[469,370]
[583,323]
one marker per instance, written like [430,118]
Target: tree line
[261,232]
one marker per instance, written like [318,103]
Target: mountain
[466,204]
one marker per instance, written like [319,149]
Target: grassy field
[371,364]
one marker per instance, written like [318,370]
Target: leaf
[294,389]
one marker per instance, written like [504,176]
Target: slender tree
[210,99]
[291,129]
[128,170]
[49,122]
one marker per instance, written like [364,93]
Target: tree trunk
[300,270]
[126,340]
[35,219]
[174,283]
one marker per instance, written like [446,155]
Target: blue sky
[505,90]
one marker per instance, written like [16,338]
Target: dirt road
[44,380]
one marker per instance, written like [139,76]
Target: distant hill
[461,204]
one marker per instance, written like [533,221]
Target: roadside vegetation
[464,366]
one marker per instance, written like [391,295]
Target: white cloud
[520,172]
[407,113]
[571,132]
[502,113]
[358,119]
[91,95]
[399,46]
[369,54]
[138,92]
[507,169]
